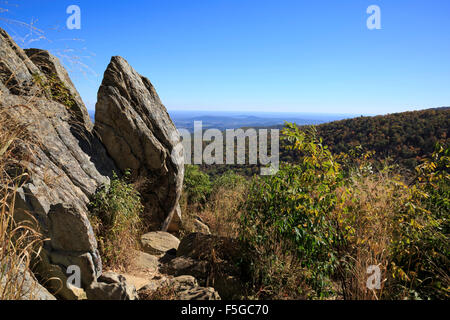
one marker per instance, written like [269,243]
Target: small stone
[159,242]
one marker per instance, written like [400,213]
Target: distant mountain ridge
[405,137]
[234,120]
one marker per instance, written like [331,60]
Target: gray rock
[70,229]
[179,288]
[111,277]
[51,67]
[199,293]
[145,261]
[55,278]
[139,135]
[159,242]
[28,289]
[64,160]
[113,291]
[85,261]
[112,286]
[201,227]
[16,70]
[174,222]
[187,266]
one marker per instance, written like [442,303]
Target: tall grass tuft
[20,242]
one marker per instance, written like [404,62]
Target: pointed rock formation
[63,161]
[50,66]
[140,136]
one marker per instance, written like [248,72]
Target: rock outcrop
[140,136]
[65,159]
[56,73]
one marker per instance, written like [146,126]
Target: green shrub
[420,249]
[115,217]
[229,180]
[297,202]
[197,185]
[337,219]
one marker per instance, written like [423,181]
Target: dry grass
[275,271]
[370,203]
[221,213]
[165,292]
[20,242]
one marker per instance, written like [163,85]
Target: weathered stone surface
[179,288]
[139,135]
[16,70]
[174,222]
[136,281]
[113,291]
[199,293]
[70,229]
[112,286]
[159,242]
[51,67]
[187,266]
[64,161]
[145,261]
[55,279]
[184,282]
[200,227]
[86,262]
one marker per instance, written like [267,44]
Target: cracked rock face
[140,136]
[63,160]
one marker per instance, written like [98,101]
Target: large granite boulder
[63,161]
[140,136]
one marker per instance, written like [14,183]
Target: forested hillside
[405,138]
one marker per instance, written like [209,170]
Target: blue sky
[238,55]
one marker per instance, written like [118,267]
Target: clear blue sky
[293,56]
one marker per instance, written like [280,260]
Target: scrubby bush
[325,220]
[228,180]
[420,248]
[115,217]
[197,185]
[216,203]
[296,202]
